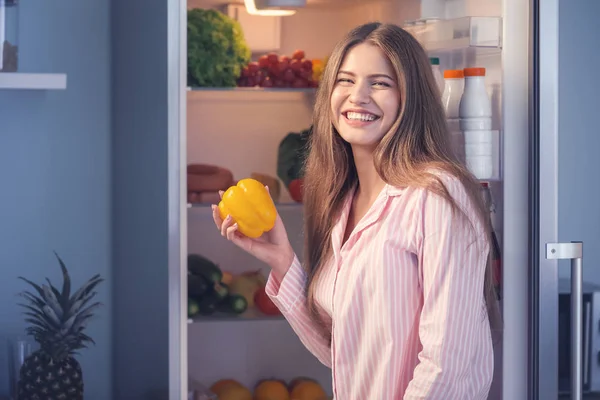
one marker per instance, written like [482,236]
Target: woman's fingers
[216,216]
[222,225]
[226,225]
[231,232]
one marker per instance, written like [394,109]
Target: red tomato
[264,303]
[296,188]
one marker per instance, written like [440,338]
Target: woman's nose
[360,94]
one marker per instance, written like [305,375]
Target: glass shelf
[279,206]
[199,94]
[251,314]
[481,34]
[255,89]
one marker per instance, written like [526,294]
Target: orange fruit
[222,384]
[308,390]
[234,392]
[271,389]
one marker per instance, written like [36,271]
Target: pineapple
[57,321]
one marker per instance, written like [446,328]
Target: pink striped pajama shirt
[403,298]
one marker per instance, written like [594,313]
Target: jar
[9,31]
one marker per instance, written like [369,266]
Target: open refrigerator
[240,129]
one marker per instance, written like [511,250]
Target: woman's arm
[456,361]
[288,295]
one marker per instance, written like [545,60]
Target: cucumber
[197,285]
[212,297]
[233,304]
[202,266]
[193,307]
[221,290]
[207,308]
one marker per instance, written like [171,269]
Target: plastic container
[454,84]
[9,18]
[475,112]
[437,73]
[433,9]
[475,108]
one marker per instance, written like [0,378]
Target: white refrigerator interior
[241,129]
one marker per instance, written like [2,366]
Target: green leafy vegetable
[217,50]
[291,155]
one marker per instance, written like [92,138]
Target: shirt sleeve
[456,360]
[289,296]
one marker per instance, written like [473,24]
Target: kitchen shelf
[479,34]
[252,314]
[19,80]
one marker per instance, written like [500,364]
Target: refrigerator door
[565,138]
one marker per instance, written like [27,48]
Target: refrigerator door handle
[573,251]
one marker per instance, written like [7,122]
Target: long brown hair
[417,142]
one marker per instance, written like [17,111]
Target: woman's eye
[381,84]
[344,80]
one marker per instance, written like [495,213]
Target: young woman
[395,294]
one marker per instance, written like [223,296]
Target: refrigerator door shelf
[481,34]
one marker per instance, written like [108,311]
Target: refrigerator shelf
[252,314]
[281,206]
[480,34]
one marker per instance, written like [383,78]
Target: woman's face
[365,99]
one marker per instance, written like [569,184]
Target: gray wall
[55,171]
[579,132]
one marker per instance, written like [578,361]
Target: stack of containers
[475,113]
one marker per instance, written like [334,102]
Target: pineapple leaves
[66,289]
[36,323]
[54,290]
[51,314]
[84,315]
[84,291]
[52,301]
[32,299]
[57,319]
[36,313]
[35,286]
[86,338]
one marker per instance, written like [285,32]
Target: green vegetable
[210,300]
[291,156]
[197,285]
[193,307]
[202,266]
[233,304]
[217,49]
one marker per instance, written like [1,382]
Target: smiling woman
[365,100]
[395,294]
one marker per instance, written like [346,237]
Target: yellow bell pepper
[250,205]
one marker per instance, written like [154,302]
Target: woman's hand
[272,248]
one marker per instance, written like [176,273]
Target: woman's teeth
[360,116]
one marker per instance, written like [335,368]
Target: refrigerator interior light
[252,9]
